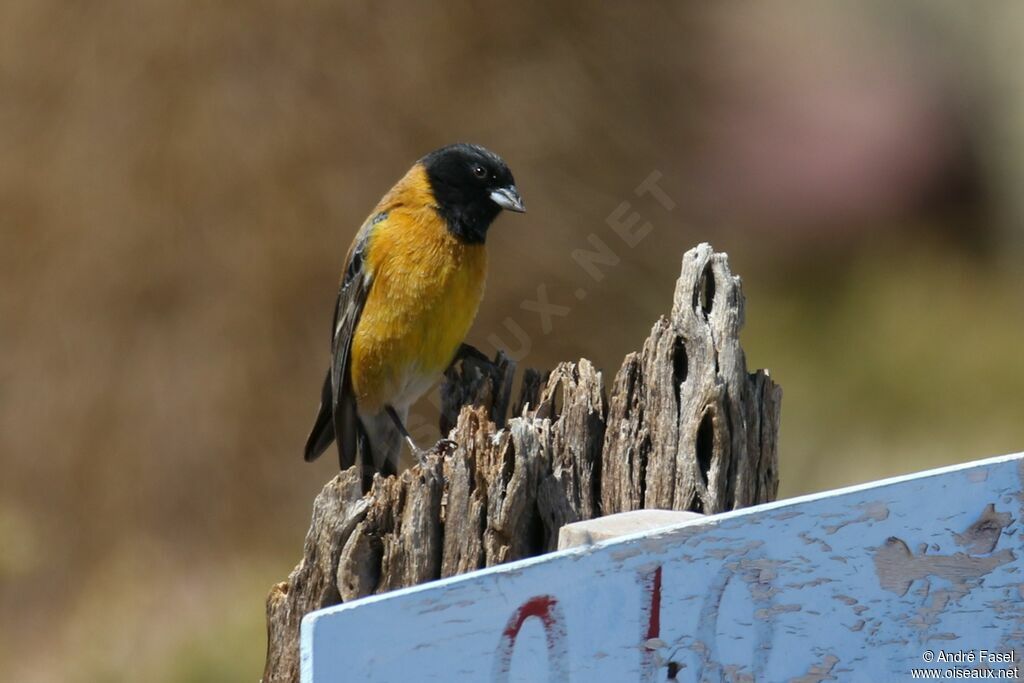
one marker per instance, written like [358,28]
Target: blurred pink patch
[813,125]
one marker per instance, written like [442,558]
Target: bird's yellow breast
[425,289]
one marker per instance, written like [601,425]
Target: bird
[412,282]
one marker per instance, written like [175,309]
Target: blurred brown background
[179,183]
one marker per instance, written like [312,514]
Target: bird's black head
[471,186]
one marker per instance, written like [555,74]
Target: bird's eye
[480,172]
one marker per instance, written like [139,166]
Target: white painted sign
[903,578]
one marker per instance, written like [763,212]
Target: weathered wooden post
[686,428]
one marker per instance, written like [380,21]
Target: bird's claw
[445,446]
[421,456]
[442,448]
[468,351]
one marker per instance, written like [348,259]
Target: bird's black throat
[468,222]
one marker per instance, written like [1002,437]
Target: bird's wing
[337,419]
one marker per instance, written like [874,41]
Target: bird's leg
[416,450]
[419,453]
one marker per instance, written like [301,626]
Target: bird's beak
[508,198]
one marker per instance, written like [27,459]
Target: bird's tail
[380,443]
[322,434]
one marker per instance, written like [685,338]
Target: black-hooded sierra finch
[413,280]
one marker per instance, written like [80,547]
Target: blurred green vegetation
[907,359]
[179,184]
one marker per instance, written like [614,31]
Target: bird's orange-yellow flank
[413,280]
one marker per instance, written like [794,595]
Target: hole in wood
[537,537]
[705,445]
[680,366]
[705,292]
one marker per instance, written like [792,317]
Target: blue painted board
[859,584]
